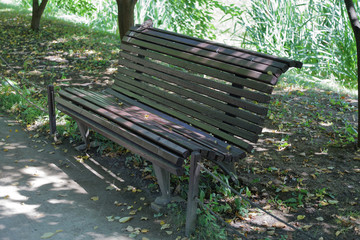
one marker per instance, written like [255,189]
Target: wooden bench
[176,97]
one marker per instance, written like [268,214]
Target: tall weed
[316,32]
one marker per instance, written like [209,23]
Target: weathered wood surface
[132,146]
[174,95]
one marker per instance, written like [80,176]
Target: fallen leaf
[323,203]
[144,230]
[50,234]
[125,219]
[169,232]
[47,235]
[338,233]
[165,226]
[133,212]
[306,227]
[320,219]
[300,217]
[144,218]
[95,198]
[267,207]
[129,229]
[132,235]
[110,218]
[279,225]
[333,202]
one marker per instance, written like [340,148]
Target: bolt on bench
[176,97]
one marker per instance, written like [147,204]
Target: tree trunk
[355,24]
[125,15]
[37,12]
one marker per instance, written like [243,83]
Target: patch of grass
[208,228]
[16,104]
[317,33]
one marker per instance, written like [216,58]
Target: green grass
[316,32]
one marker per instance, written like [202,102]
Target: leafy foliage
[76,7]
[315,32]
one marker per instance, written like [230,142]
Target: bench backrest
[217,88]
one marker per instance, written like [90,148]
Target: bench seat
[159,134]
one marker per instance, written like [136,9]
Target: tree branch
[42,6]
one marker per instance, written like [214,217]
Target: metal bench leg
[193,193]
[163,178]
[84,131]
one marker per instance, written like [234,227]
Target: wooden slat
[257,119]
[150,145]
[259,95]
[202,60]
[152,122]
[199,111]
[203,109]
[195,133]
[133,147]
[194,140]
[213,46]
[222,49]
[200,85]
[193,47]
[209,148]
[165,99]
[289,62]
[136,93]
[252,84]
[196,80]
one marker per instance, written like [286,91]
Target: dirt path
[50,191]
